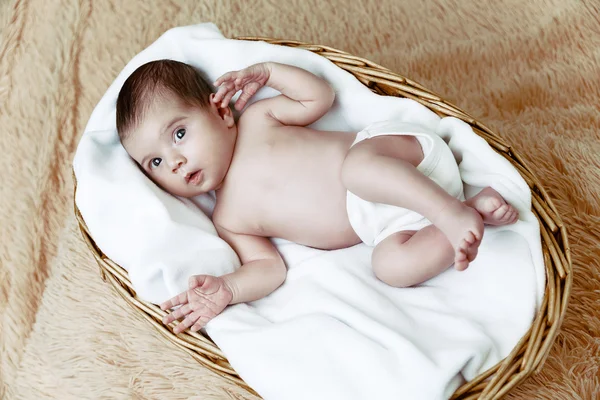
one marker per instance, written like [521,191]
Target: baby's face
[185,150]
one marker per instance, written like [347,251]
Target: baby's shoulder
[257,115]
[222,214]
[256,126]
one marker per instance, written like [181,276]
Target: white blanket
[332,331]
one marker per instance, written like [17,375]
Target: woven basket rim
[531,351]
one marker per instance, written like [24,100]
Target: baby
[393,186]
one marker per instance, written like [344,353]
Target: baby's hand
[248,80]
[206,298]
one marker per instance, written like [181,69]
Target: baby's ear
[227,115]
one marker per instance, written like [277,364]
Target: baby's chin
[188,194]
[192,191]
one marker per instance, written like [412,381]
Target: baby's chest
[286,166]
[266,187]
[267,197]
[284,177]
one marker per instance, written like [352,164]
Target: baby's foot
[463,226]
[493,208]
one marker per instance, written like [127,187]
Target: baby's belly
[303,198]
[311,220]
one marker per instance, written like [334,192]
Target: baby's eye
[155,162]
[179,134]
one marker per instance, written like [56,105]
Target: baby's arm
[305,97]
[262,270]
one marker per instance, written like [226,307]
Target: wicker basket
[529,354]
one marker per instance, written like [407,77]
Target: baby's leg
[407,258]
[383,170]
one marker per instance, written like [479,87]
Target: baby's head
[170,126]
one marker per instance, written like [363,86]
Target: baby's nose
[176,163]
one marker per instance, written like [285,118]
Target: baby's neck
[231,161]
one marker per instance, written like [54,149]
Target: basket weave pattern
[529,354]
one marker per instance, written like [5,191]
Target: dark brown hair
[158,78]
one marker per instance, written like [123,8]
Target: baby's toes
[515,217]
[493,204]
[513,212]
[462,247]
[460,255]
[461,262]
[501,212]
[507,217]
[472,255]
[469,240]
[461,266]
[473,250]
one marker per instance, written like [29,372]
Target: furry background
[529,69]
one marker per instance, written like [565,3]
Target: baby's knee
[395,272]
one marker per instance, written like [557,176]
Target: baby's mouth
[194,178]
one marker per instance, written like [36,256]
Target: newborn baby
[393,186]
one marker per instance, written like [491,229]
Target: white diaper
[373,222]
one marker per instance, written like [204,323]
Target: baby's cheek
[165,185]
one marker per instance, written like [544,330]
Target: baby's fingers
[247,93]
[227,98]
[223,91]
[201,323]
[225,77]
[181,298]
[190,320]
[177,314]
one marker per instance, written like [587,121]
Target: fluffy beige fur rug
[529,69]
